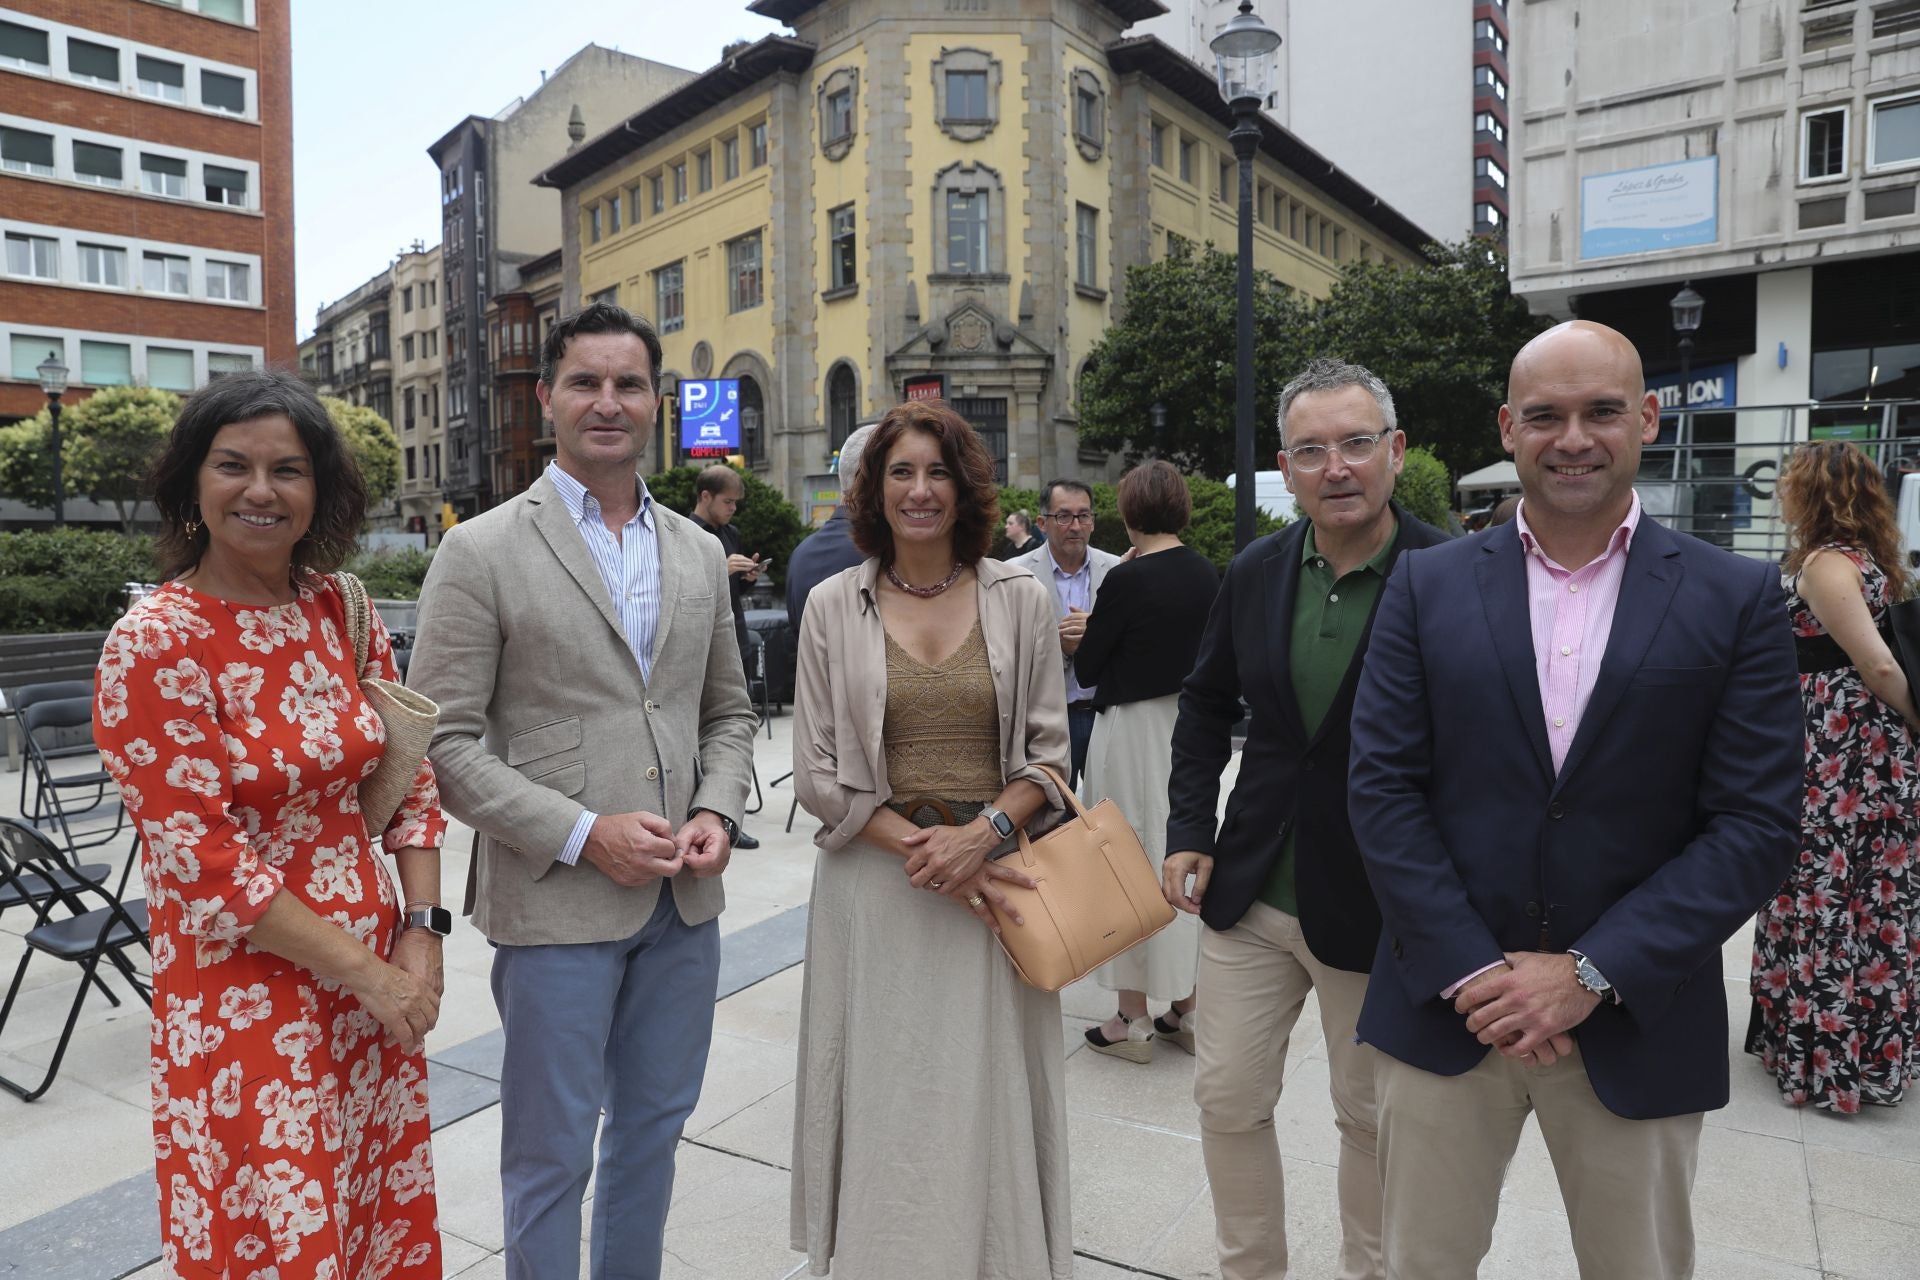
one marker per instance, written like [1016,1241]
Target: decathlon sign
[1709,387]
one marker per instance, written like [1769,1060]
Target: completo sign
[1665,206]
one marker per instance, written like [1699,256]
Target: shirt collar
[1086,566]
[1620,541]
[1377,562]
[576,498]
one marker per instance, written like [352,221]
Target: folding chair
[28,694]
[53,789]
[42,874]
[103,933]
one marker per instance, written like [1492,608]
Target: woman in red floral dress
[289,1088]
[1835,958]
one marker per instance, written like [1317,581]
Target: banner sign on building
[1663,206]
[932,386]
[709,417]
[1713,386]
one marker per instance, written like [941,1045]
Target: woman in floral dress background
[289,1087]
[1835,1009]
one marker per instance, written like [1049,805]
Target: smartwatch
[435,920]
[1002,825]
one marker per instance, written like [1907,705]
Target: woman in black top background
[1142,640]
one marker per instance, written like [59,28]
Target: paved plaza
[1781,1193]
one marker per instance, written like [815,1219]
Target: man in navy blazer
[1577,756]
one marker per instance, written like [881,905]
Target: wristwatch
[727,824]
[435,920]
[1002,825]
[1592,979]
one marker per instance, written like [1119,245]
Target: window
[1893,133]
[839,115]
[613,214]
[633,205]
[226,186]
[967,95]
[757,144]
[843,404]
[1086,221]
[680,183]
[1489,168]
[1157,144]
[166,273]
[95,63]
[223,92]
[406,348]
[106,364]
[729,159]
[1487,77]
[967,232]
[1488,123]
[163,175]
[406,299]
[1293,219]
[35,256]
[1224,178]
[24,47]
[670,297]
[1485,30]
[227,280]
[231,10]
[1892,19]
[170,368]
[1186,159]
[841,254]
[409,450]
[658,186]
[593,225]
[1312,239]
[104,265]
[703,170]
[1823,145]
[744,289]
[219,362]
[1339,244]
[97,164]
[161,79]
[1086,113]
[27,350]
[433,343]
[1487,215]
[24,152]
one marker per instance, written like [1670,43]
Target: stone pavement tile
[769,1010]
[74,1140]
[729,1218]
[740,1073]
[1131,1184]
[1872,1185]
[1304,1119]
[456,1254]
[466,1008]
[1751,1193]
[1191,1249]
[111,1055]
[1718,1262]
[157,1271]
[1090,1269]
[1159,1092]
[492,1267]
[1861,1247]
[466,1176]
[764,1131]
[1875,1131]
[1529,1244]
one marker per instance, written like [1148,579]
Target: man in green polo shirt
[1280,885]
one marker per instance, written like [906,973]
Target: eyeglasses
[1069,517]
[1354,449]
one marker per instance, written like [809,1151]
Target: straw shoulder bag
[1096,895]
[409,717]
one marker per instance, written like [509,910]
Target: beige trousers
[1444,1146]
[1253,980]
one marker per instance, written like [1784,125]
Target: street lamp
[1158,415]
[750,434]
[53,381]
[1243,65]
[1688,307]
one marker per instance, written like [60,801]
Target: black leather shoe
[742,840]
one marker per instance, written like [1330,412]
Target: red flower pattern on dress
[291,1138]
[1834,955]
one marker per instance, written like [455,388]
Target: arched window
[843,404]
[753,423]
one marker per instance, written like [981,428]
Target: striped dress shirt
[629,565]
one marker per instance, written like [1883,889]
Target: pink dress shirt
[1572,615]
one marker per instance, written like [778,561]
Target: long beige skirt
[930,1125]
[1128,761]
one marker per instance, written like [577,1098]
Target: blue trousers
[620,1028]
[1080,719]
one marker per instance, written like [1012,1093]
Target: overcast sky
[375,82]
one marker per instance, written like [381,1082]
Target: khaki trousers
[1444,1146]
[1253,980]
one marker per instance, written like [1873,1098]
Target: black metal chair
[27,695]
[57,796]
[103,933]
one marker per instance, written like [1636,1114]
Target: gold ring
[975,900]
[936,884]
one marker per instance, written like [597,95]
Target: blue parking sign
[710,414]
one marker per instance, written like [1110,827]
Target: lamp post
[1688,307]
[1158,415]
[53,381]
[750,434]
[1242,59]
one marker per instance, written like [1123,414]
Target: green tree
[1175,346]
[1424,488]
[1441,334]
[768,525]
[1210,531]
[374,446]
[107,446]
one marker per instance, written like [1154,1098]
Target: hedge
[68,579]
[1210,533]
[767,523]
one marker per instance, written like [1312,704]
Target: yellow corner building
[930,196]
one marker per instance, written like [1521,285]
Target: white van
[1270,494]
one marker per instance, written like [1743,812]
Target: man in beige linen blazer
[595,731]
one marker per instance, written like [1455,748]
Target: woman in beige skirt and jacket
[930,1130]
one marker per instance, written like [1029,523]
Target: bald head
[1581,344]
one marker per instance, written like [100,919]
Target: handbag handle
[1073,803]
[354,593]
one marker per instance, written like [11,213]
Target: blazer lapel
[551,518]
[676,559]
[1652,576]
[1502,572]
[1282,582]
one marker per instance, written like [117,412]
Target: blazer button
[652,706]
[1533,911]
[652,773]
[1398,952]
[1556,810]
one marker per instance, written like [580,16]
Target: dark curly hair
[1831,494]
[339,494]
[966,457]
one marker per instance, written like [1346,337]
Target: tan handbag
[1097,895]
[409,717]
